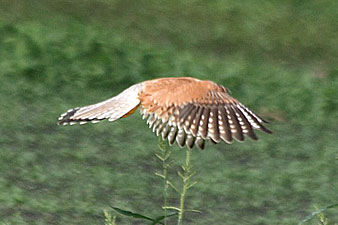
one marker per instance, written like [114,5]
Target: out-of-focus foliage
[277,57]
[287,31]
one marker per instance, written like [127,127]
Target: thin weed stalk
[187,184]
[163,156]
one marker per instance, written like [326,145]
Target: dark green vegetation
[280,58]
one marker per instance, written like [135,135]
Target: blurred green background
[280,58]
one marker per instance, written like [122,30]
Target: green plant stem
[165,190]
[165,165]
[186,184]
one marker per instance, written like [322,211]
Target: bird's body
[184,109]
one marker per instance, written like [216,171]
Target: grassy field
[280,58]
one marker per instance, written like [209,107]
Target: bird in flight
[182,109]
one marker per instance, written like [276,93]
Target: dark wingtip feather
[254,117]
[266,130]
[172,135]
[226,136]
[265,121]
[200,143]
[190,141]
[238,135]
[181,138]
[66,117]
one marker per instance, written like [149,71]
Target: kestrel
[184,109]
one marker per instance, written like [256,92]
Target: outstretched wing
[112,109]
[190,111]
[185,110]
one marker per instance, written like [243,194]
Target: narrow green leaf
[193,210]
[140,216]
[172,207]
[317,212]
[160,218]
[131,214]
[192,184]
[192,174]
[173,187]
[159,157]
[160,175]
[167,156]
[180,174]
